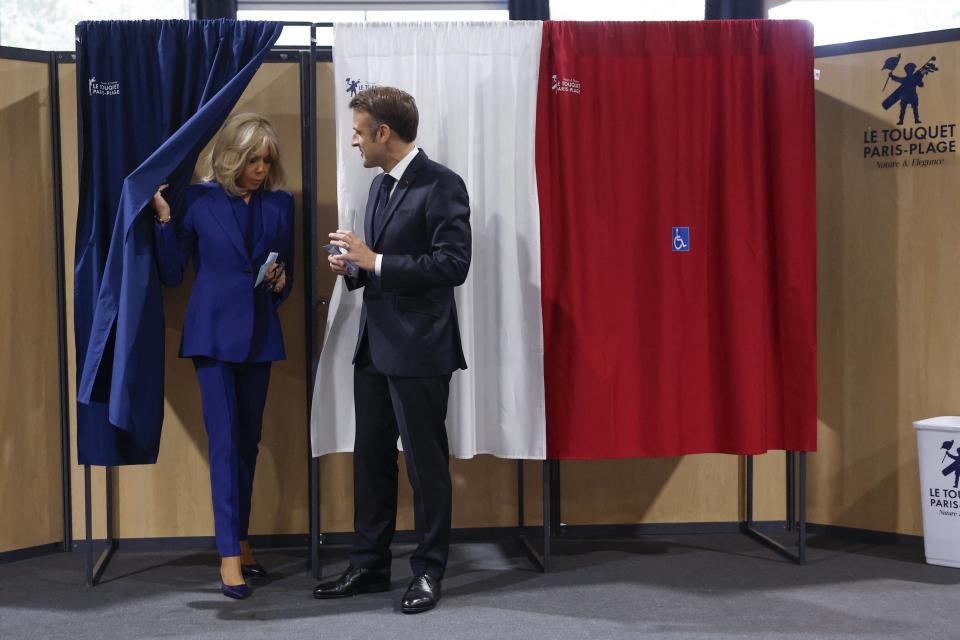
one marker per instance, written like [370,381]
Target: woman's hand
[276,277]
[159,205]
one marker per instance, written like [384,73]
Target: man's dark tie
[383,196]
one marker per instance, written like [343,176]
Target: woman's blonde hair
[243,135]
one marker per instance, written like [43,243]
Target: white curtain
[476,89]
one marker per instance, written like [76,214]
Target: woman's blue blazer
[227,318]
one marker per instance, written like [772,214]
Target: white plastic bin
[938,443]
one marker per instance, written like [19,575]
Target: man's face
[370,142]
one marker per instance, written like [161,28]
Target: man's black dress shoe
[423,594]
[254,570]
[352,582]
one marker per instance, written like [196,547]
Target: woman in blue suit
[233,221]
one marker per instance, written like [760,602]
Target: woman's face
[256,169]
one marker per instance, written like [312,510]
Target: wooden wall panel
[888,258]
[30,494]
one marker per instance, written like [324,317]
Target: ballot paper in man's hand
[334,250]
[265,267]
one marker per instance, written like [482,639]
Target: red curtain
[643,127]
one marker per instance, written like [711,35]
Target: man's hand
[357,252]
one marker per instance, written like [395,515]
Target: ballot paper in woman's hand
[265,267]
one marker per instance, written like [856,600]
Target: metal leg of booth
[316,538]
[556,526]
[94,570]
[540,560]
[796,508]
[802,520]
[791,491]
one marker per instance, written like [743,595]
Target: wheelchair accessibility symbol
[681,238]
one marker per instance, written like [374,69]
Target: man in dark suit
[417,249]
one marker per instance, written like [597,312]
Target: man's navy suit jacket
[409,315]
[227,319]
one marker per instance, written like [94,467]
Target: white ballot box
[938,443]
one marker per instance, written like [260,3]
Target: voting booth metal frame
[307,60]
[555,529]
[552,528]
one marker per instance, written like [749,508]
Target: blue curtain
[151,94]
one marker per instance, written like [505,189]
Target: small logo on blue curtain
[910,81]
[681,238]
[355,86]
[103,88]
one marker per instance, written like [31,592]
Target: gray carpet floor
[689,586]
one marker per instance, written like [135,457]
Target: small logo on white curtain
[356,85]
[564,85]
[103,88]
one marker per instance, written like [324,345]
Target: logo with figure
[954,466]
[910,81]
[355,86]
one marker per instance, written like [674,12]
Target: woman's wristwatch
[163,220]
